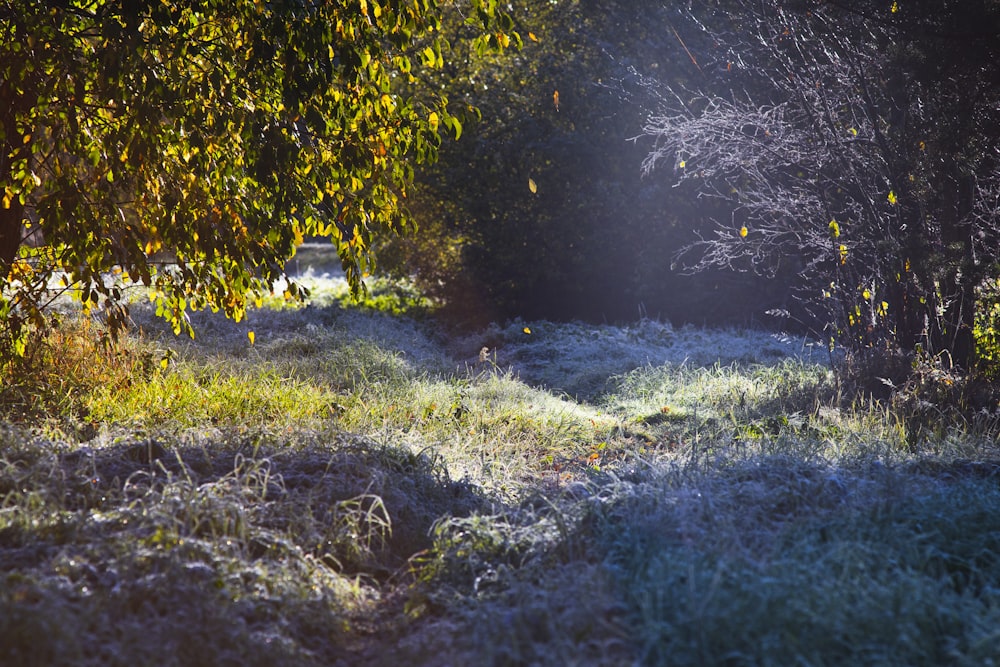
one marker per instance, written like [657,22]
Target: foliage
[63,365]
[853,149]
[987,330]
[191,146]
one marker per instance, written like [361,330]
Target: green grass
[358,489]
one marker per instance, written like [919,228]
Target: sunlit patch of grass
[52,381]
[741,410]
[188,395]
[382,295]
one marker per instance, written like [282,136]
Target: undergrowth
[350,488]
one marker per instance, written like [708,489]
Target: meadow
[359,486]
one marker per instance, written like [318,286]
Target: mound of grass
[221,549]
[774,563]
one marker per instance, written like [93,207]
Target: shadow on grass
[218,549]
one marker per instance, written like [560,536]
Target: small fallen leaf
[743,232]
[532,186]
[526,330]
[251,336]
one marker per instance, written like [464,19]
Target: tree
[590,241]
[190,146]
[856,149]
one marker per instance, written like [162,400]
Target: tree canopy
[190,146]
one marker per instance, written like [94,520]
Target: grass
[354,488]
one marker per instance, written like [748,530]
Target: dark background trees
[592,240]
[856,148]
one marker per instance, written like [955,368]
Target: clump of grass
[773,562]
[902,580]
[61,368]
[187,395]
[200,550]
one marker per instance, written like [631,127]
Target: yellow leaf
[532,186]
[892,197]
[853,131]
[866,295]
[834,229]
[532,37]
[743,232]
[555,99]
[526,330]
[164,362]
[251,336]
[682,164]
[843,253]
[434,120]
[895,7]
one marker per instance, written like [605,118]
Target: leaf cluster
[191,147]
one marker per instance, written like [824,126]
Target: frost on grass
[572,358]
[578,359]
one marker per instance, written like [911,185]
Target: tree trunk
[958,282]
[10,236]
[11,150]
